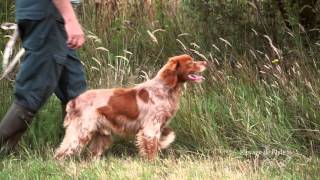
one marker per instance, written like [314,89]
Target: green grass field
[173,164]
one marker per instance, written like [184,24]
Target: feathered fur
[143,111]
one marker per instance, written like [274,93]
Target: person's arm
[73,28]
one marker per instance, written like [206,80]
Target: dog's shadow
[122,148]
[127,149]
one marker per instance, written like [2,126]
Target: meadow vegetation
[256,116]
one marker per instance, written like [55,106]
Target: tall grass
[262,86]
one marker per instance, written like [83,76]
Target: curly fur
[143,111]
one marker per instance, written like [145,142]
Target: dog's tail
[71,112]
[71,105]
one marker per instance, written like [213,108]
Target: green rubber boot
[13,126]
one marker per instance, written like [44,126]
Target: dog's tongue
[197,78]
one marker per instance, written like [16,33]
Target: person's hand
[74,31]
[75,34]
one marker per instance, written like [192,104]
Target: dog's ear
[169,72]
[170,77]
[175,62]
[172,64]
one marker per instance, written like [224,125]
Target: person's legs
[71,84]
[40,70]
[72,81]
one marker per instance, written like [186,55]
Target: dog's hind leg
[77,136]
[166,138]
[99,143]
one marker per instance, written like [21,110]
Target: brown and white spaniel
[143,111]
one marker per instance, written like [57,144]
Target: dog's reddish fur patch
[122,104]
[144,95]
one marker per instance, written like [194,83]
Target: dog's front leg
[148,142]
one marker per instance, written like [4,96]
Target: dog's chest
[161,105]
[166,105]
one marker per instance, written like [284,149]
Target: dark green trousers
[48,65]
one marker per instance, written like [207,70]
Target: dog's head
[181,69]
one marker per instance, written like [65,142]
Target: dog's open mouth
[195,78]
